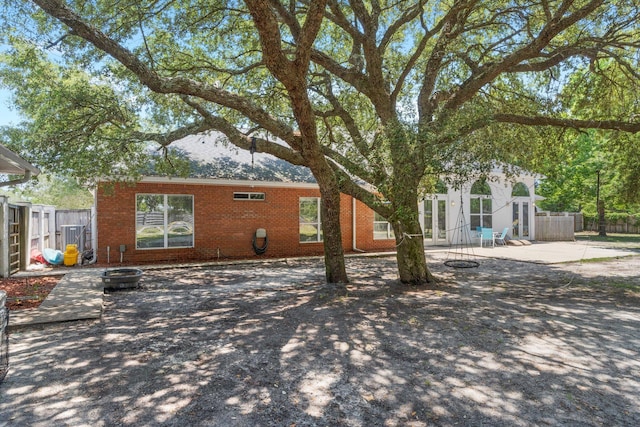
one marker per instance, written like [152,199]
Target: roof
[12,164]
[212,156]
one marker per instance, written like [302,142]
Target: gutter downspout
[27,176]
[353,226]
[94,230]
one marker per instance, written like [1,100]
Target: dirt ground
[27,292]
[505,344]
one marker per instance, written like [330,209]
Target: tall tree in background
[394,94]
[573,184]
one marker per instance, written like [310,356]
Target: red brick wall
[223,227]
[364,231]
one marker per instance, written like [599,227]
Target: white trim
[165,226]
[354,225]
[317,223]
[228,182]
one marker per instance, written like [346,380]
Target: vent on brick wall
[248,196]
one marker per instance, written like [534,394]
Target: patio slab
[549,252]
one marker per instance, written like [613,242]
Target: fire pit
[121,278]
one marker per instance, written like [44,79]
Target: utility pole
[602,223]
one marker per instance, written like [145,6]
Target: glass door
[441,221]
[435,220]
[520,220]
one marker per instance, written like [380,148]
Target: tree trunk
[335,269]
[412,264]
[602,222]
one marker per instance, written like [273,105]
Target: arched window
[480,206]
[441,187]
[520,190]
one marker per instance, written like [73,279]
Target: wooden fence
[554,227]
[628,225]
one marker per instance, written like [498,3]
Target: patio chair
[486,234]
[499,238]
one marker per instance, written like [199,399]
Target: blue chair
[486,234]
[500,238]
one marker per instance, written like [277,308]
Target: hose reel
[260,233]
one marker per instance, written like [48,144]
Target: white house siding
[502,207]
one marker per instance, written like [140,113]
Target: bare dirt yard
[505,344]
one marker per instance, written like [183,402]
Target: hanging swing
[460,247]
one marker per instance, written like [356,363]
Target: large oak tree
[393,94]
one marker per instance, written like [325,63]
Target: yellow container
[71,255]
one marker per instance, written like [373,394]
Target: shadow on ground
[506,344]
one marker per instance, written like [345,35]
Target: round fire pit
[121,278]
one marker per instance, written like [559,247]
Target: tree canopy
[61,192]
[395,94]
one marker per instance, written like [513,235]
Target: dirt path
[506,344]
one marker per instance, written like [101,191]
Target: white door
[520,220]
[434,220]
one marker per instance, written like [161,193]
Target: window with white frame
[164,221]
[381,228]
[310,220]
[480,206]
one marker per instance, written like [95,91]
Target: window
[248,196]
[520,190]
[164,221]
[381,228]
[480,206]
[310,221]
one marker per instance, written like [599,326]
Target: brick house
[190,219]
[227,216]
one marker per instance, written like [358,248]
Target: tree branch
[245,141]
[533,49]
[152,80]
[166,139]
[368,197]
[568,123]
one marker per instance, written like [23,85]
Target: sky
[7,115]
